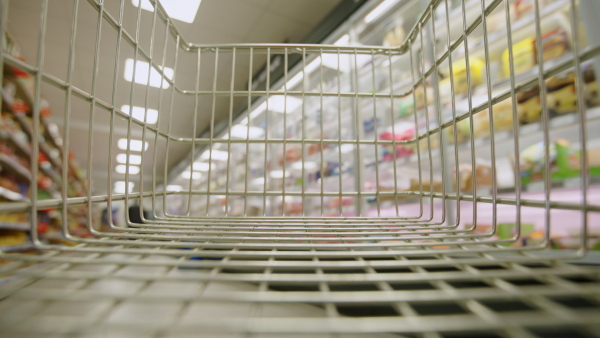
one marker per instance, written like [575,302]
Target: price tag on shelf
[502,136]
[573,182]
[563,120]
[530,128]
[535,186]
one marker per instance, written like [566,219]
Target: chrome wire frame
[363,273]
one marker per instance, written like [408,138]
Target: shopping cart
[263,244]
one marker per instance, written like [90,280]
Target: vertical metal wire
[427,129]
[169,124]
[545,119]
[582,118]
[212,128]
[230,124]
[375,136]
[285,112]
[267,115]
[339,132]
[303,126]
[438,107]
[516,132]
[357,133]
[132,87]
[67,129]
[417,137]
[470,106]
[145,120]
[194,121]
[491,118]
[158,122]
[453,107]
[249,104]
[35,137]
[323,167]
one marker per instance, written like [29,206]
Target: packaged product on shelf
[562,94]
[523,57]
[483,176]
[369,125]
[564,162]
[555,43]
[395,36]
[420,96]
[412,185]
[459,71]
[524,8]
[12,237]
[406,106]
[529,108]
[401,150]
[291,155]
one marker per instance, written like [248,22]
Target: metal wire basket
[262,245]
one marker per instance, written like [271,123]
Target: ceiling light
[174,187]
[149,116]
[119,187]
[191,174]
[141,74]
[135,145]
[329,61]
[122,169]
[201,166]
[182,10]
[307,165]
[244,132]
[258,181]
[345,148]
[382,8]
[282,104]
[133,159]
[293,81]
[279,174]
[216,155]
[343,40]
[387,62]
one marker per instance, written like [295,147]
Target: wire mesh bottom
[277,292]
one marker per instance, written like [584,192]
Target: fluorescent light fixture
[119,187]
[345,148]
[386,63]
[279,174]
[307,165]
[329,61]
[122,169]
[280,104]
[380,9]
[141,74]
[138,113]
[201,166]
[258,181]
[218,155]
[135,145]
[293,81]
[182,10]
[239,131]
[343,40]
[191,174]
[133,159]
[174,187]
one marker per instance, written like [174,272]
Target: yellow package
[459,70]
[523,56]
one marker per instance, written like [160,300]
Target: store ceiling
[218,21]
